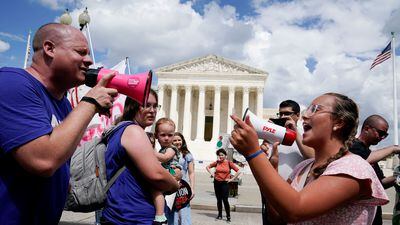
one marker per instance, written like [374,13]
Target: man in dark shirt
[374,130]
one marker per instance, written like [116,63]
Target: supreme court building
[200,94]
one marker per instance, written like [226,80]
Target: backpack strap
[104,138]
[109,131]
[114,178]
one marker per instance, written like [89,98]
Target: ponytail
[316,172]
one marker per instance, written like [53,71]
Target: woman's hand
[209,171]
[243,137]
[193,194]
[290,123]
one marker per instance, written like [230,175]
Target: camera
[279,121]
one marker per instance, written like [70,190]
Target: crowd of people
[326,177]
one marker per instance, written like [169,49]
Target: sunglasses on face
[287,113]
[382,134]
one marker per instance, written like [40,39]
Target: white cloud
[392,24]
[4,46]
[12,36]
[159,32]
[347,30]
[342,36]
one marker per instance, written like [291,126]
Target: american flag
[384,55]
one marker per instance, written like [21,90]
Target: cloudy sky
[307,47]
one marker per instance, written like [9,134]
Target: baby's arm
[165,157]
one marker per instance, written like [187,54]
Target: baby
[169,158]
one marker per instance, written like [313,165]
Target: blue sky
[16,19]
[31,14]
[308,47]
[243,8]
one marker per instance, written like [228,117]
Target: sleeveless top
[129,199]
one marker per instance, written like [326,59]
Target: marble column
[231,105]
[187,117]
[245,102]
[217,107]
[161,101]
[260,99]
[173,114]
[201,114]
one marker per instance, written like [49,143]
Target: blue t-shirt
[184,162]
[28,111]
[129,200]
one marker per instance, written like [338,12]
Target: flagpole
[90,43]
[127,65]
[395,123]
[27,52]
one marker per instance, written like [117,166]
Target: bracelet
[253,155]
[99,108]
[92,101]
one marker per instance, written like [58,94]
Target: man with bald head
[374,130]
[39,133]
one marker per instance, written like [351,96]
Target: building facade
[200,94]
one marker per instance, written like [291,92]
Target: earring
[334,128]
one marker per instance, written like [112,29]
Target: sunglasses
[381,133]
[287,113]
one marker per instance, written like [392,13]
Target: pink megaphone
[269,131]
[136,86]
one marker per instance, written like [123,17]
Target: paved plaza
[246,207]
[199,217]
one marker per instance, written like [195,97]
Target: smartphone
[279,121]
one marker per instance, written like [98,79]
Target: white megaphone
[269,131]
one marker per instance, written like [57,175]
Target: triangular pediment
[210,64]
